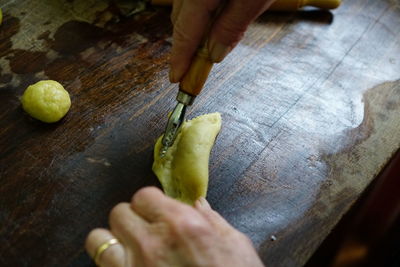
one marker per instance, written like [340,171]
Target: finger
[229,27]
[113,256]
[153,205]
[182,219]
[211,215]
[126,225]
[202,203]
[176,8]
[189,29]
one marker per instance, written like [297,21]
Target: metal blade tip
[163,151]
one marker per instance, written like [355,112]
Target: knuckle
[92,239]
[190,225]
[91,236]
[152,251]
[94,232]
[231,31]
[144,194]
[117,211]
[151,246]
[180,33]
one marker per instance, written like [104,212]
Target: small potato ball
[47,101]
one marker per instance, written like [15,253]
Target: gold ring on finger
[103,247]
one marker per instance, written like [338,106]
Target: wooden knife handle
[282,5]
[196,76]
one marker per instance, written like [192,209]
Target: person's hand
[155,230]
[191,18]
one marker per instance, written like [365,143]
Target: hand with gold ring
[155,230]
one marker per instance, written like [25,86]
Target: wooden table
[311,113]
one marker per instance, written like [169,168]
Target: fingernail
[204,203]
[218,51]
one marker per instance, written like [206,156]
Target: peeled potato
[183,171]
[47,101]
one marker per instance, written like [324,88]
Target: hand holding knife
[193,80]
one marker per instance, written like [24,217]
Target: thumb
[230,26]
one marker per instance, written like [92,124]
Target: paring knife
[189,87]
[194,79]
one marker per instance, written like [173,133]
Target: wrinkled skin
[155,230]
[191,20]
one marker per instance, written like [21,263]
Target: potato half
[183,171]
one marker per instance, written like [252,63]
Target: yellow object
[1,16]
[103,248]
[282,5]
[47,101]
[183,171]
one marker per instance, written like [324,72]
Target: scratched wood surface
[311,113]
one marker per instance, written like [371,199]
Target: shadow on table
[317,16]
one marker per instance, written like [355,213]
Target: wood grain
[311,113]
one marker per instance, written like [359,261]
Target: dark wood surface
[311,113]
